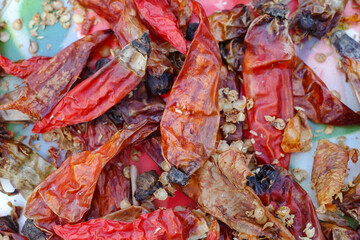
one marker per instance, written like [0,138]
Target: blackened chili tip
[262,179]
[101,62]
[115,115]
[142,44]
[190,31]
[147,183]
[31,231]
[177,176]
[162,85]
[345,45]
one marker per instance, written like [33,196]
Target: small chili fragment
[23,68]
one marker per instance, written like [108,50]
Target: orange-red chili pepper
[268,64]
[158,14]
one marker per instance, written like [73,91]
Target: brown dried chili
[239,208]
[316,17]
[350,202]
[279,191]
[191,117]
[268,64]
[97,94]
[22,68]
[320,105]
[229,24]
[182,11]
[297,134]
[46,86]
[66,195]
[328,174]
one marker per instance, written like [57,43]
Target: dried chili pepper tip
[147,183]
[177,176]
[162,85]
[345,45]
[31,231]
[143,44]
[262,179]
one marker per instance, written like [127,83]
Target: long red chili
[268,65]
[158,14]
[94,96]
[24,68]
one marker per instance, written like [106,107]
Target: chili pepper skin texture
[320,105]
[24,68]
[191,118]
[65,196]
[97,94]
[46,86]
[268,64]
[161,224]
[275,186]
[158,14]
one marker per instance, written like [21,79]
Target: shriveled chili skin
[158,14]
[268,64]
[65,195]
[182,11]
[214,231]
[46,86]
[320,105]
[191,118]
[97,94]
[23,68]
[276,187]
[229,24]
[350,204]
[334,232]
[161,224]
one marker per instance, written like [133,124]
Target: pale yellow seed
[125,203]
[33,32]
[50,19]
[17,24]
[48,46]
[329,130]
[320,57]
[57,5]
[165,166]
[161,194]
[4,36]
[78,18]
[105,51]
[336,94]
[33,48]
[47,8]
[126,172]
[65,17]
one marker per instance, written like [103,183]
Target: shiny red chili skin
[23,68]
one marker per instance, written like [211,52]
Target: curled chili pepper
[268,64]
[65,196]
[320,105]
[23,68]
[161,224]
[191,117]
[97,94]
[279,191]
[158,14]
[46,86]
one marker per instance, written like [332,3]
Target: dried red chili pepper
[268,64]
[229,24]
[158,14]
[278,190]
[320,105]
[46,86]
[22,68]
[161,224]
[65,196]
[94,96]
[214,231]
[238,207]
[191,117]
[111,188]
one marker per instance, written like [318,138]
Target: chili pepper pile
[213,105]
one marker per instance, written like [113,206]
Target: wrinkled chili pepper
[111,188]
[46,86]
[239,208]
[328,174]
[316,18]
[268,64]
[182,11]
[158,14]
[350,204]
[161,224]
[229,24]
[191,117]
[22,68]
[319,104]
[94,96]
[278,189]
[334,232]
[65,196]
